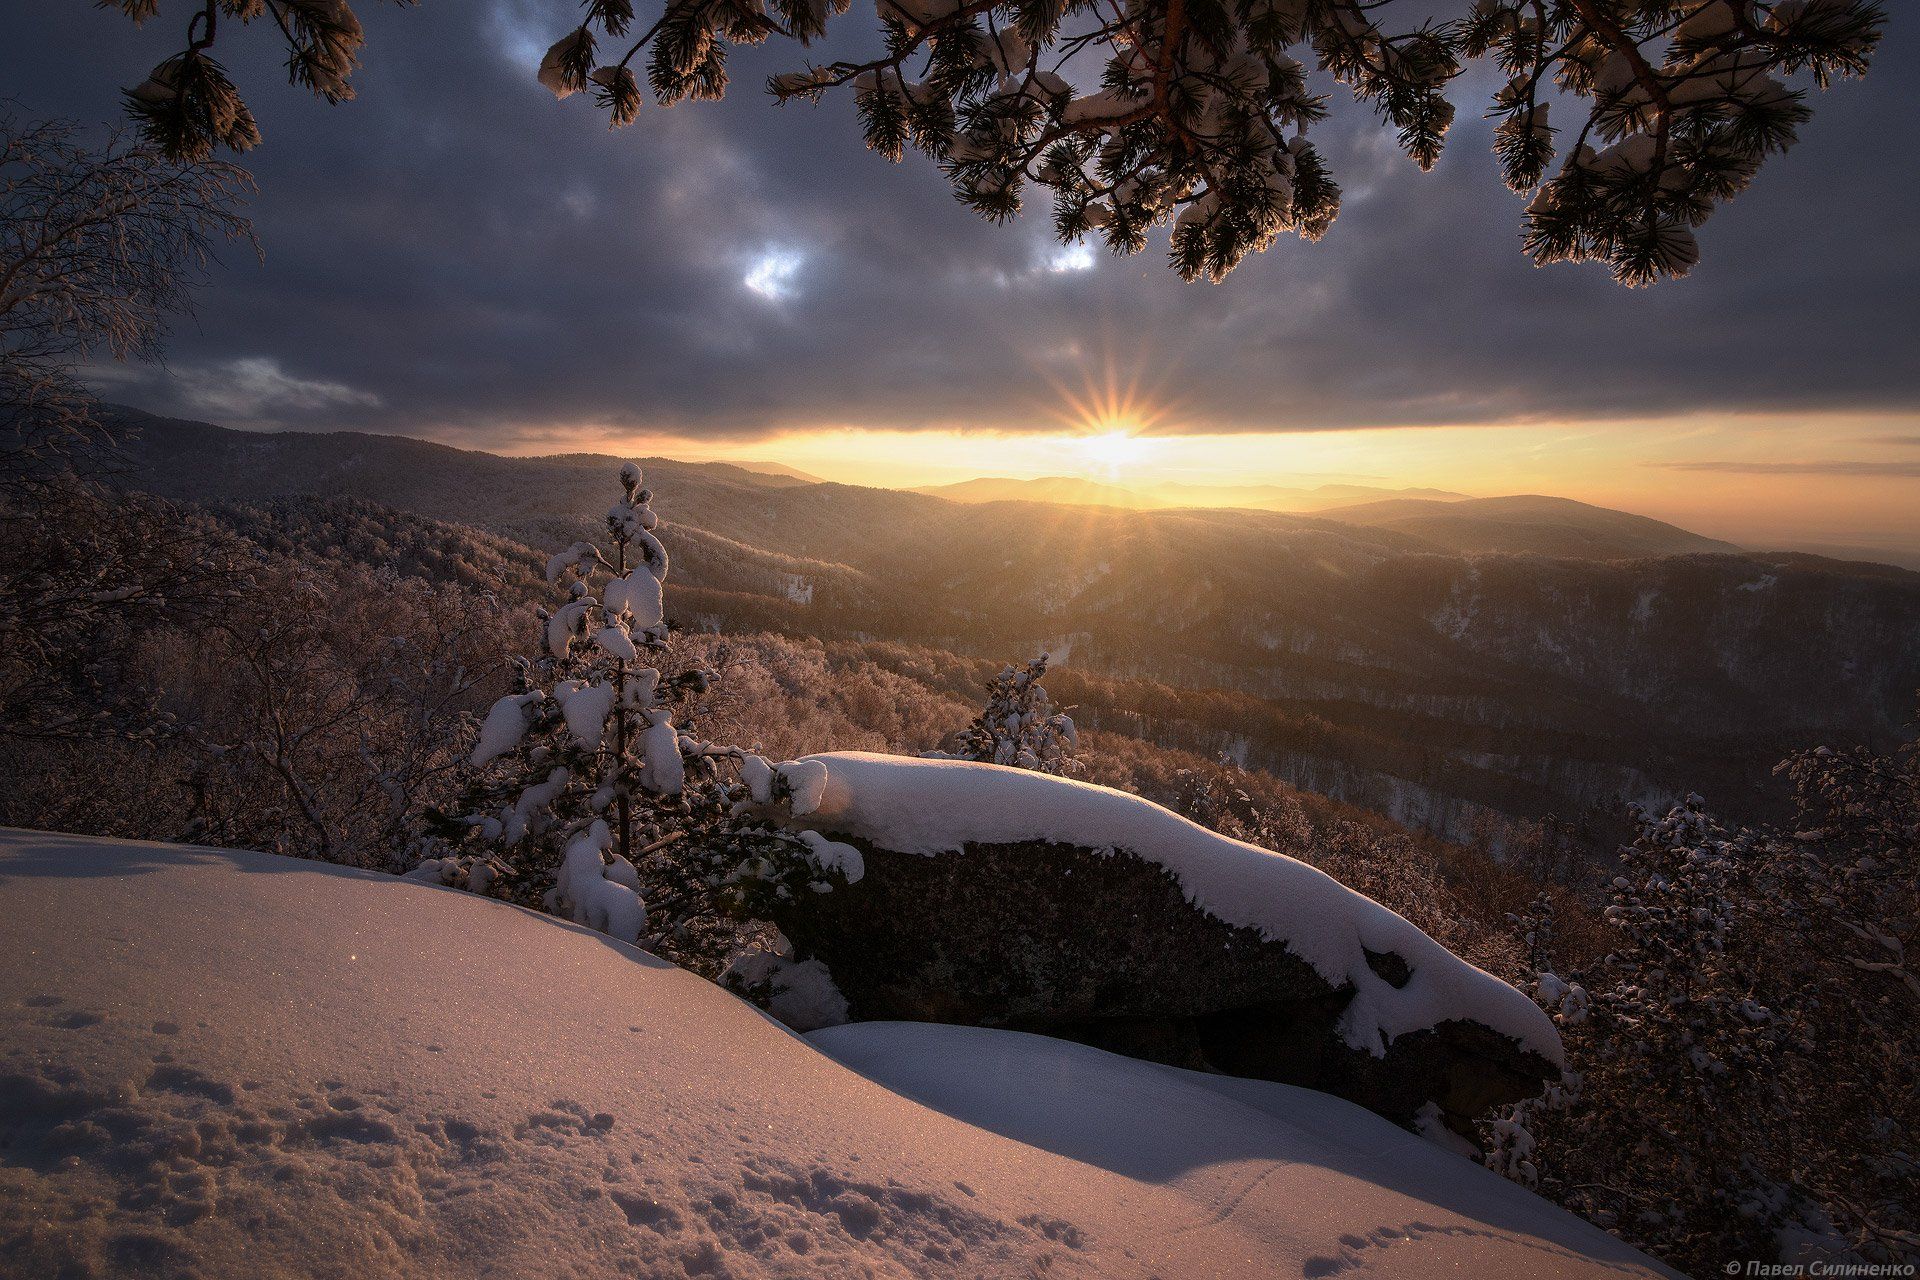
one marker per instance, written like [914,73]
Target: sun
[1111,423]
[1111,451]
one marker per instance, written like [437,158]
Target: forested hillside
[1527,524]
[1367,663]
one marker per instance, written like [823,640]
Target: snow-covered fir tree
[594,797]
[1020,726]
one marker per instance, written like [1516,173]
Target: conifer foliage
[1201,116]
[593,796]
[1020,726]
[1194,114]
[1744,1078]
[187,106]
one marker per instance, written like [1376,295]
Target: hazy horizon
[1716,503]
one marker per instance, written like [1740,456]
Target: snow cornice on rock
[938,807]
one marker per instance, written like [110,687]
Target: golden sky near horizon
[1767,482]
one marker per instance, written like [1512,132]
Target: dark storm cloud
[455,253]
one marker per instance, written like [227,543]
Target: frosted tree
[101,244]
[1020,725]
[1193,115]
[1852,859]
[594,797]
[1746,1078]
[1843,895]
[1680,990]
[1667,1131]
[1534,927]
[338,705]
[1510,1141]
[1685,1038]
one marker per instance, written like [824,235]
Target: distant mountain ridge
[1075,489]
[776,470]
[1529,524]
[1279,497]
[1067,489]
[1519,524]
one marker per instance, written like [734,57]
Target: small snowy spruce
[593,796]
[1020,725]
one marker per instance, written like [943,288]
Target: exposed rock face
[1104,948]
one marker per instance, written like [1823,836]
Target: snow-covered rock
[1004,897]
[234,1065]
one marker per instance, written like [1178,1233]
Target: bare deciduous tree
[100,243]
[334,708]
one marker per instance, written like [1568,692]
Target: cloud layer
[455,253]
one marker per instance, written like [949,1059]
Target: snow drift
[238,1065]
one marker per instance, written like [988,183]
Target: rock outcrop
[1101,939]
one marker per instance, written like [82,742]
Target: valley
[1450,664]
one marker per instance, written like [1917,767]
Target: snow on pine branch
[1139,114]
[1132,115]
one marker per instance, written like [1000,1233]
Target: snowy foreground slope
[237,1065]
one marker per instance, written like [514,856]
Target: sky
[456,255]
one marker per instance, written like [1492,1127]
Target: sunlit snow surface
[237,1065]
